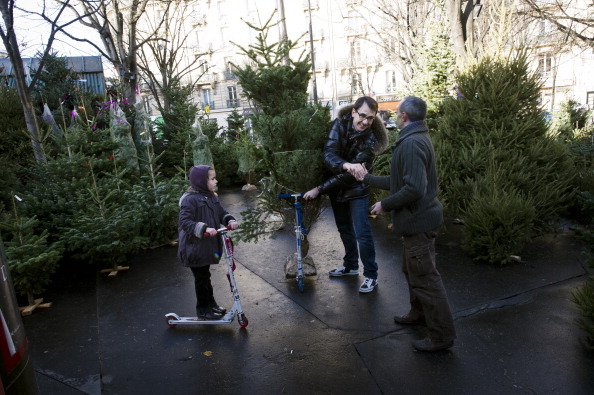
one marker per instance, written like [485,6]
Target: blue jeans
[353,225]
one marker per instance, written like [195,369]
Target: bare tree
[118,23]
[167,60]
[7,33]
[574,18]
[402,26]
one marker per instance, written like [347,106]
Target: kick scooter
[173,319]
[300,231]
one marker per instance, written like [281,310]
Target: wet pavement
[515,324]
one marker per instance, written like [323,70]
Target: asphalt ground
[515,323]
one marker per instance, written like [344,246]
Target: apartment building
[563,60]
[347,63]
[350,58]
[566,70]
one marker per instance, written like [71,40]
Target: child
[201,212]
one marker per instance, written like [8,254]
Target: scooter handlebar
[289,195]
[224,228]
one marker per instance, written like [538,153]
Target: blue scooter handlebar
[288,195]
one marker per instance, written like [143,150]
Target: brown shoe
[408,320]
[432,345]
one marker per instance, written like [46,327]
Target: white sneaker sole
[333,274]
[367,290]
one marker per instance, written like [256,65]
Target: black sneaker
[218,309]
[209,315]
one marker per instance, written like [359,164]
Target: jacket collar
[412,128]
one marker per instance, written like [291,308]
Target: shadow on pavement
[515,323]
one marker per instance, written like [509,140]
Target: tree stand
[114,271]
[33,304]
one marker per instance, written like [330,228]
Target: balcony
[228,75]
[210,105]
[232,103]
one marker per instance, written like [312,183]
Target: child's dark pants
[204,293]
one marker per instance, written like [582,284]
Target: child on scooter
[201,212]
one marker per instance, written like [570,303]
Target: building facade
[347,63]
[350,58]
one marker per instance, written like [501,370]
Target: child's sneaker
[343,271]
[368,285]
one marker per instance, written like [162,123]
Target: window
[228,70]
[545,63]
[232,100]
[356,87]
[353,21]
[544,27]
[391,46]
[355,52]
[203,67]
[147,105]
[590,99]
[390,81]
[207,98]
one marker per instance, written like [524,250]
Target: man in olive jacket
[416,216]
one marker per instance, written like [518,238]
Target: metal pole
[332,60]
[313,60]
[283,26]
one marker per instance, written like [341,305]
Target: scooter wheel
[301,284]
[168,319]
[242,320]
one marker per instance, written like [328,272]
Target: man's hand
[311,194]
[233,225]
[377,209]
[360,175]
[356,169]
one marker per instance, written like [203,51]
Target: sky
[32,34]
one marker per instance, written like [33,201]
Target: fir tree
[235,126]
[291,131]
[121,133]
[32,258]
[497,168]
[434,80]
[106,228]
[57,87]
[178,118]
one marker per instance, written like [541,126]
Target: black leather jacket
[345,144]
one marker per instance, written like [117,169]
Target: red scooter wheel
[242,320]
[168,319]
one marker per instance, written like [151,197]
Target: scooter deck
[173,320]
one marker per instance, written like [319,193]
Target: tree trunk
[12,49]
[454,12]
[33,128]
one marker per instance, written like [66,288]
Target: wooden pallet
[38,303]
[114,271]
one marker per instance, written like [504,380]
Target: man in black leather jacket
[355,138]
